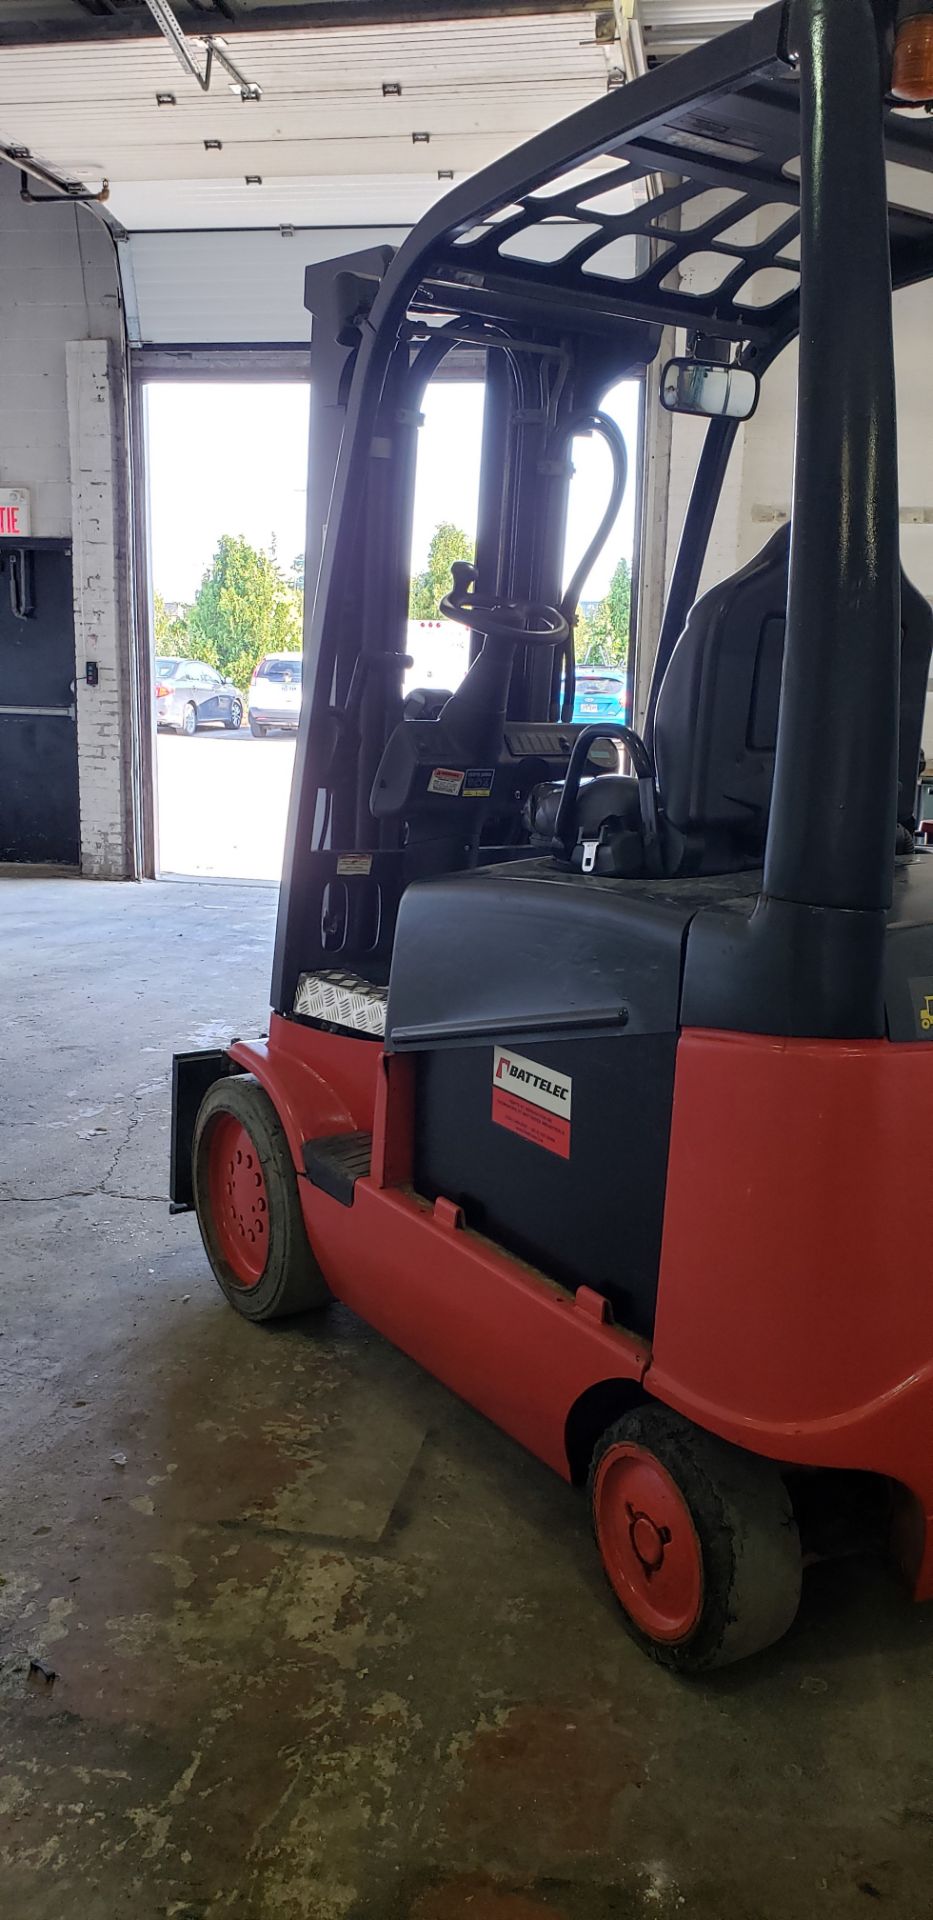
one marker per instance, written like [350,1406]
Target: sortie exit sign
[14,510]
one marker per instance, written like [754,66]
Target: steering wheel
[526,622]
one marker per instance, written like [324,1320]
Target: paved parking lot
[223,803]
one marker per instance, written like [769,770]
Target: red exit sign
[15,517]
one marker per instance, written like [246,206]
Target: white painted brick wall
[62,436]
[94,392]
[58,283]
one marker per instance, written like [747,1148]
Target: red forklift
[598,1059]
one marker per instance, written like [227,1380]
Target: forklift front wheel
[698,1540]
[246,1198]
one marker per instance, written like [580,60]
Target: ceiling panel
[338,200]
[473,87]
[674,26]
[325,144]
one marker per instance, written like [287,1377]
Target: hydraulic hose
[601,423]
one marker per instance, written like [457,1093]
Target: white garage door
[242,288]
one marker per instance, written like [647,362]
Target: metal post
[833,815]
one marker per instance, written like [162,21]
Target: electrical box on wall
[15,514]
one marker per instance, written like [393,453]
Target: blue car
[600,695]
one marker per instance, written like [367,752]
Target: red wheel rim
[238,1199]
[648,1543]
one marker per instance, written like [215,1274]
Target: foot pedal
[336,1163]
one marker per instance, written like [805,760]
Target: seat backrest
[715,728]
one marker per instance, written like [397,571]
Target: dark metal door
[39,818]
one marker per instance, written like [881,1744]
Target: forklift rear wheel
[246,1198]
[698,1540]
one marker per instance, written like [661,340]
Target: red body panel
[794,1315]
[319,1083]
[516,1346]
[795,1306]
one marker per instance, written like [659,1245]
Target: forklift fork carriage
[596,1091]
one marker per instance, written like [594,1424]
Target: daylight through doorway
[227,475]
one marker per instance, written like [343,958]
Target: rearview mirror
[704,387]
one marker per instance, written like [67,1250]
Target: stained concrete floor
[326,1646]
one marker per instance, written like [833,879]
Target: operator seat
[715,724]
[715,729]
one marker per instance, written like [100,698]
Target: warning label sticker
[532,1100]
[446,780]
[351,863]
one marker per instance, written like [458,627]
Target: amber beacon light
[912,76]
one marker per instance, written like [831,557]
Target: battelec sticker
[532,1100]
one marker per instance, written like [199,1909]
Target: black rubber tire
[744,1521]
[257,729]
[234,720]
[189,720]
[292,1281]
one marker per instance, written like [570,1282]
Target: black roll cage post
[807,76]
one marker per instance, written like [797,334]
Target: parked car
[601,694]
[275,693]
[190,694]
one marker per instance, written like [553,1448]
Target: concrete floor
[327,1646]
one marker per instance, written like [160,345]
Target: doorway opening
[226,465]
[226,470]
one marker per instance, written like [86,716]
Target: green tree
[602,637]
[170,630]
[243,609]
[448,543]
